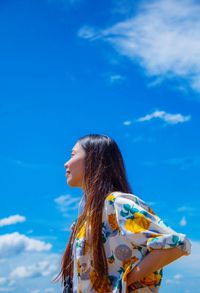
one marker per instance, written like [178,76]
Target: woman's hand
[153,261]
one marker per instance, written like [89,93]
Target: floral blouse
[130,229]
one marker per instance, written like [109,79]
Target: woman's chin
[71,183]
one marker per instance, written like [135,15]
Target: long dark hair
[104,172]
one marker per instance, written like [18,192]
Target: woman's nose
[66,165]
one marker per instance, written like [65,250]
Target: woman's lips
[67,173]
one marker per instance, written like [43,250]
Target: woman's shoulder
[119,197]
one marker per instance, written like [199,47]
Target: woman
[117,244]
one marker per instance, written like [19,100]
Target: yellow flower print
[78,267]
[127,266]
[138,224]
[82,232]
[152,279]
[110,197]
[113,222]
[129,261]
[111,259]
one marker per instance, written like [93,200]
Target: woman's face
[75,166]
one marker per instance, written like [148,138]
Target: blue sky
[128,69]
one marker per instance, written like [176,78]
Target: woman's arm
[152,262]
[142,228]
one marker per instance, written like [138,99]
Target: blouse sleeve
[142,227]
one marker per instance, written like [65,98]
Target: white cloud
[183,221]
[116,78]
[65,203]
[162,115]
[12,220]
[49,290]
[2,281]
[15,243]
[66,3]
[31,271]
[39,269]
[138,139]
[20,272]
[167,117]
[123,7]
[176,279]
[27,165]
[127,122]
[185,209]
[87,32]
[184,163]
[162,36]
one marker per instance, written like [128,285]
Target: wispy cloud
[184,162]
[49,290]
[87,32]
[124,7]
[138,139]
[162,36]
[15,243]
[116,78]
[176,279]
[67,203]
[185,209]
[29,165]
[2,280]
[23,164]
[168,118]
[66,3]
[127,122]
[11,220]
[183,221]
